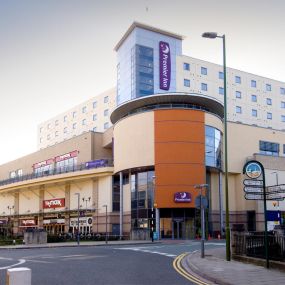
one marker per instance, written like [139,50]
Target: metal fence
[59,170]
[253,244]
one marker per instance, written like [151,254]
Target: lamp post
[10,208]
[275,172]
[211,35]
[106,240]
[86,200]
[78,207]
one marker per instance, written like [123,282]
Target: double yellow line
[178,267]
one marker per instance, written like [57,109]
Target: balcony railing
[99,163]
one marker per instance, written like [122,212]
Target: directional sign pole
[265,218]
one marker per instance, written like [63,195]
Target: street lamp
[86,200]
[10,221]
[275,172]
[78,207]
[106,241]
[211,35]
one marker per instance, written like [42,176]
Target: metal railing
[59,170]
[253,244]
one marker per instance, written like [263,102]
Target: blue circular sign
[253,170]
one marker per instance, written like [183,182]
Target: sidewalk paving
[74,244]
[216,269]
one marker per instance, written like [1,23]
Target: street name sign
[250,189]
[252,182]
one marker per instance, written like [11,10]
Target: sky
[55,54]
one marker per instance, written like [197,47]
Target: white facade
[92,115]
[263,105]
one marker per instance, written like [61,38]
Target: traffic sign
[253,182]
[250,189]
[255,196]
[276,188]
[198,202]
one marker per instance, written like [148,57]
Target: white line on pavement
[21,261]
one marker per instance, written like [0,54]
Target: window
[282,104]
[186,66]
[84,109]
[269,116]
[73,114]
[221,75]
[253,98]
[94,117]
[204,87]
[20,172]
[204,71]
[221,90]
[187,82]
[41,140]
[94,104]
[253,83]
[65,118]
[74,126]
[283,118]
[56,123]
[238,109]
[106,112]
[41,129]
[282,90]
[65,130]
[48,137]
[84,122]
[106,99]
[268,101]
[106,125]
[269,148]
[268,87]
[12,174]
[254,113]
[238,79]
[56,134]
[238,94]
[94,129]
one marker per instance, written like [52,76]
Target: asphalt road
[141,264]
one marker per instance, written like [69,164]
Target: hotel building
[165,135]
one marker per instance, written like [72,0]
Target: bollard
[19,276]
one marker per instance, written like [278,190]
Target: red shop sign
[66,156]
[54,203]
[28,223]
[43,163]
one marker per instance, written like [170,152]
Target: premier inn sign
[54,203]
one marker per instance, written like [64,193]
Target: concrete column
[19,276]
[157,222]
[121,204]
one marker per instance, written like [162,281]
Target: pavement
[214,269]
[74,244]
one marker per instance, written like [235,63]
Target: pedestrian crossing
[147,250]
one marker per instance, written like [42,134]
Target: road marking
[178,267]
[83,257]
[141,249]
[21,261]
[38,261]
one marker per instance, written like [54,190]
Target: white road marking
[21,261]
[37,261]
[141,249]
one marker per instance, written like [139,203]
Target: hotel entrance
[177,223]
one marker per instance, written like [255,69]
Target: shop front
[85,225]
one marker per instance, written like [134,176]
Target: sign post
[254,169]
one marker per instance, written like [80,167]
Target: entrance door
[178,226]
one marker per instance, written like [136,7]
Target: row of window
[270,148]
[106,126]
[254,113]
[84,110]
[204,87]
[238,80]
[106,113]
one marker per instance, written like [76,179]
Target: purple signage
[164,65]
[96,163]
[182,197]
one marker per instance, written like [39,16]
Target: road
[141,264]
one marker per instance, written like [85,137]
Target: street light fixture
[211,35]
[106,240]
[78,207]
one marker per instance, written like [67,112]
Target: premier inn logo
[54,203]
[164,65]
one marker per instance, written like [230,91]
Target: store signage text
[182,197]
[164,65]
[66,156]
[28,223]
[54,203]
[44,163]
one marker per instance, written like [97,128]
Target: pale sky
[55,54]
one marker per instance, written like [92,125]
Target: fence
[253,244]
